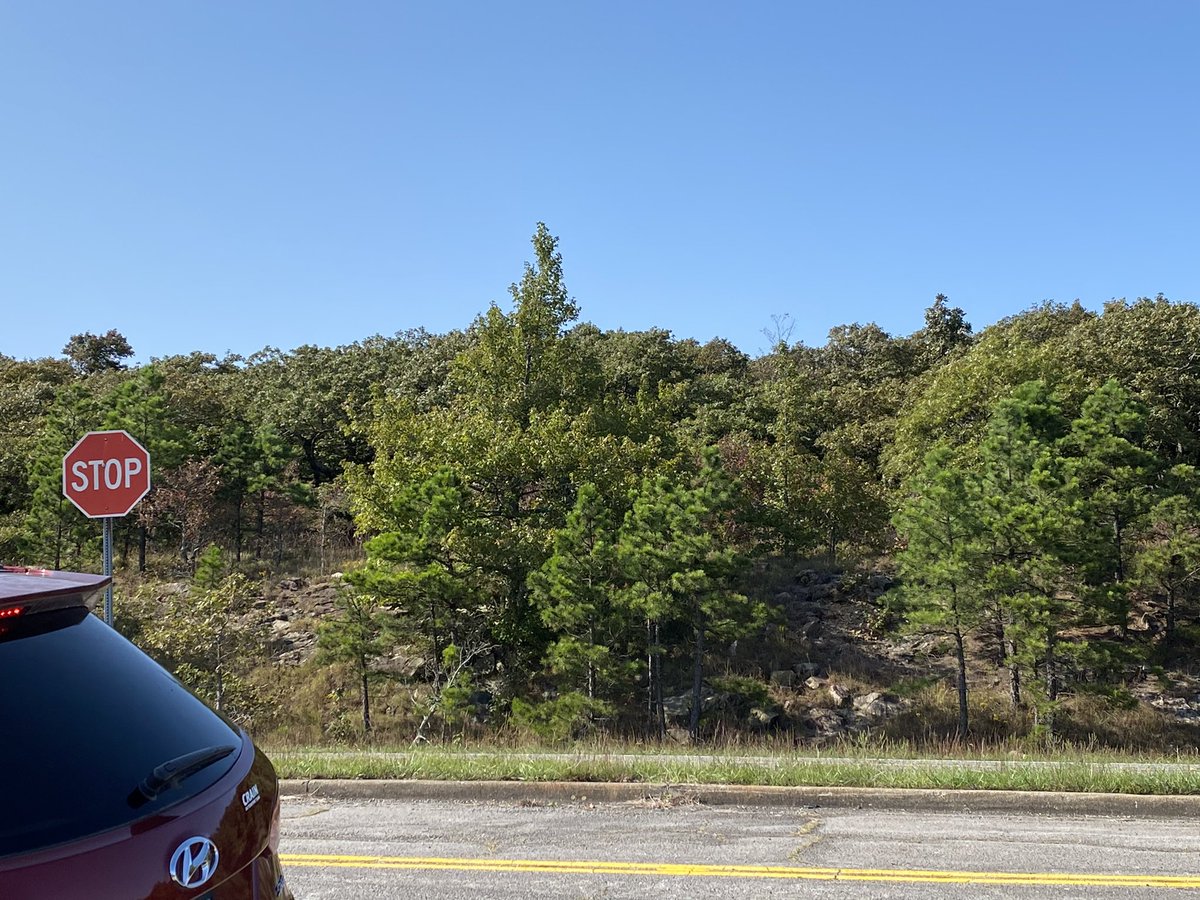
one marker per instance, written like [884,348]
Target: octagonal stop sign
[106,473]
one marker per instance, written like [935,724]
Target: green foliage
[1168,565]
[56,533]
[210,568]
[678,565]
[206,636]
[576,592]
[566,717]
[91,353]
[360,633]
[748,692]
[943,559]
[534,491]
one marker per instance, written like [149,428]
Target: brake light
[11,613]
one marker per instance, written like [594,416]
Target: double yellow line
[686,870]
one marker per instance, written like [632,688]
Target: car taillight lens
[273,836]
[7,615]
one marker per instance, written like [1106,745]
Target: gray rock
[783,678]
[875,706]
[826,722]
[839,693]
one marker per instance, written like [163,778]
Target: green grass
[785,770]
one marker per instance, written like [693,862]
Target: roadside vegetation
[535,531]
[1076,772]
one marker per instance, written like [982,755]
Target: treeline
[566,520]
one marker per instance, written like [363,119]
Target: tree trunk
[962,683]
[237,528]
[141,548]
[697,681]
[1051,669]
[1169,637]
[58,538]
[260,524]
[650,671]
[366,697]
[591,666]
[220,674]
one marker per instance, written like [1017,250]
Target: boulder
[839,693]
[826,722]
[875,706]
[807,669]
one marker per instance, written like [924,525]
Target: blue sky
[223,176]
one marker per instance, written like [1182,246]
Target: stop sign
[106,473]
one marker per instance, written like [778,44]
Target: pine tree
[1169,563]
[942,561]
[359,634]
[575,591]
[422,569]
[1114,479]
[678,566]
[55,531]
[140,407]
[1025,519]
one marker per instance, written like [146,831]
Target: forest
[537,524]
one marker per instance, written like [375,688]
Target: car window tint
[86,716]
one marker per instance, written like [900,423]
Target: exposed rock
[814,683]
[783,678]
[839,694]
[875,706]
[764,718]
[1178,707]
[826,722]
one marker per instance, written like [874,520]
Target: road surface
[353,850]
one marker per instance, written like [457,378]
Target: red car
[117,782]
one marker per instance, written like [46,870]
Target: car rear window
[86,717]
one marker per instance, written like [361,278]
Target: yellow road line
[598,867]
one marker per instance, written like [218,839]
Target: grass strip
[451,765]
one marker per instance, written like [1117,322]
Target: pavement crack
[810,834]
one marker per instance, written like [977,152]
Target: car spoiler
[40,590]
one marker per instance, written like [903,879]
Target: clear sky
[229,175]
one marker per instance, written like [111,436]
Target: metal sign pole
[108,569]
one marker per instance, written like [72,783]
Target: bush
[567,717]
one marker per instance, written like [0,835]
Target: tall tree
[1025,520]
[359,633]
[679,568]
[56,531]
[91,353]
[575,591]
[139,405]
[1168,566]
[1114,478]
[942,560]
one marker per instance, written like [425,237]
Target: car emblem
[194,862]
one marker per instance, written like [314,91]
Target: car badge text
[250,797]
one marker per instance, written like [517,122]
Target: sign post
[105,474]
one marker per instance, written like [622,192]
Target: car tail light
[11,612]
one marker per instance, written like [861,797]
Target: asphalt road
[351,850]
